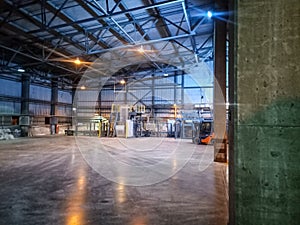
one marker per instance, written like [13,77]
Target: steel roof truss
[56,13]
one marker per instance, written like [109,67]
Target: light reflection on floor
[75,213]
[55,185]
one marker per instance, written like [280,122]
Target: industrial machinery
[203,131]
[173,128]
[128,121]
[139,122]
[195,124]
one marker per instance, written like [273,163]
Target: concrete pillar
[232,119]
[220,143]
[266,70]
[25,95]
[24,119]
[53,110]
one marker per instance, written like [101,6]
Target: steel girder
[73,37]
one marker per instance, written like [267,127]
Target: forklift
[203,131]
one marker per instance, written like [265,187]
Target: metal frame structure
[45,36]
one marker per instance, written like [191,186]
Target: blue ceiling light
[209,14]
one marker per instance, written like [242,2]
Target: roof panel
[77,13]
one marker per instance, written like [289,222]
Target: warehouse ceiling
[44,37]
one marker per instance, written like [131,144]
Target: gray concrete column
[25,95]
[232,119]
[266,98]
[53,110]
[220,143]
[24,119]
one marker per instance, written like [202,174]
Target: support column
[175,88]
[125,93]
[220,144]
[232,119]
[53,110]
[24,120]
[182,89]
[266,98]
[153,97]
[74,110]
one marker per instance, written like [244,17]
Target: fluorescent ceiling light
[21,70]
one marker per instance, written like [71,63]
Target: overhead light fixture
[21,70]
[141,49]
[165,74]
[209,14]
[82,87]
[77,61]
[123,82]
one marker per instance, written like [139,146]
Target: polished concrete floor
[56,180]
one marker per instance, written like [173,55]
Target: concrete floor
[46,180]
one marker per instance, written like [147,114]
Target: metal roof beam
[193,41]
[115,6]
[35,58]
[4,20]
[38,23]
[186,16]
[140,43]
[56,13]
[106,28]
[202,45]
[67,19]
[130,17]
[114,21]
[28,39]
[166,28]
[101,20]
[13,56]
[97,17]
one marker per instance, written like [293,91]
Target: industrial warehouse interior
[149,112]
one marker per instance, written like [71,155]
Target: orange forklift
[203,131]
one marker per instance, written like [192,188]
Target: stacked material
[6,134]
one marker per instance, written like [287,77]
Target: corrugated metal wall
[39,102]
[10,107]
[10,92]
[10,88]
[40,93]
[64,97]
